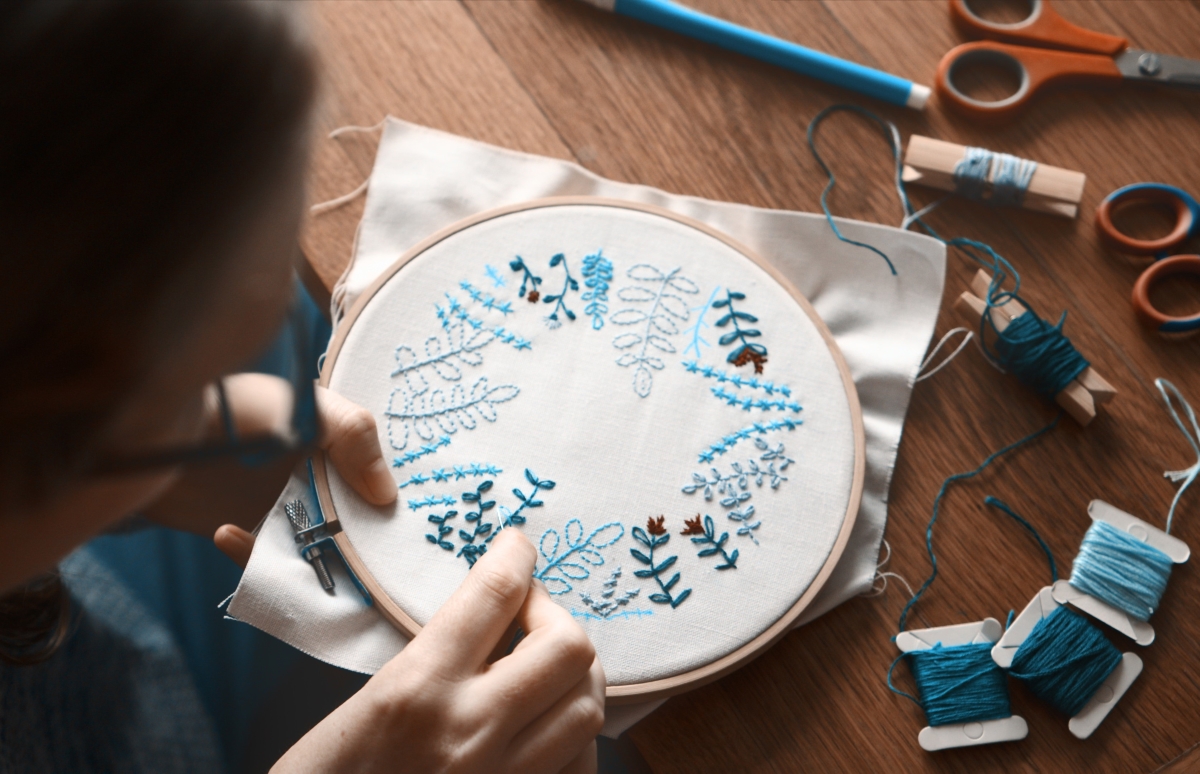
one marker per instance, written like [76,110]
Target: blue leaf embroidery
[660,321]
[597,274]
[558,573]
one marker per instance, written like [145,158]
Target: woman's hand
[452,701]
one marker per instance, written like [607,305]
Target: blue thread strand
[1039,355]
[1010,180]
[597,274]
[494,275]
[558,573]
[942,493]
[486,300]
[1064,660]
[959,684]
[455,473]
[747,403]
[737,380]
[1121,571]
[414,455]
[762,428]
[1188,475]
[996,502]
[697,340]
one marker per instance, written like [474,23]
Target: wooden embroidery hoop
[653,689]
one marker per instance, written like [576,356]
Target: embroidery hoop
[693,678]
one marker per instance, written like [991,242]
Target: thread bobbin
[1064,593]
[1106,696]
[1079,398]
[933,738]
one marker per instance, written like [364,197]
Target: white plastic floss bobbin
[933,738]
[1105,697]
[1140,632]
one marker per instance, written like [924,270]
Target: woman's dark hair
[136,138]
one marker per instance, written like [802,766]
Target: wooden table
[637,104]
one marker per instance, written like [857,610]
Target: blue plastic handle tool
[806,61]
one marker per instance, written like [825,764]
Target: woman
[152,159]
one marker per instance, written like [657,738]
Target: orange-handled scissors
[1049,51]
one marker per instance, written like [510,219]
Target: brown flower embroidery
[694,527]
[655,526]
[534,296]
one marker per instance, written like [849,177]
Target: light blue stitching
[457,472]
[658,537]
[748,402]
[456,311]
[443,530]
[747,527]
[665,309]
[557,570]
[776,454]
[708,537]
[518,264]
[511,518]
[697,339]
[494,275]
[413,456]
[626,614]
[559,301]
[598,273]
[459,346]
[429,500]
[731,440]
[609,602]
[737,380]
[508,337]
[485,300]
[449,412]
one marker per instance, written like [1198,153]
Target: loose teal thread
[569,283]
[511,518]
[762,428]
[656,538]
[1121,571]
[893,138]
[456,473]
[429,500]
[1064,660]
[1039,355]
[597,274]
[558,573]
[747,403]
[494,275]
[443,529]
[749,351]
[1009,183]
[698,340]
[666,308]
[486,300]
[1003,506]
[529,281]
[609,602]
[937,504]
[708,537]
[737,380]
[414,455]
[1193,438]
[959,684]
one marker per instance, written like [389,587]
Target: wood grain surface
[638,104]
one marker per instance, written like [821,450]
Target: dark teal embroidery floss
[1038,354]
[959,684]
[749,351]
[1065,660]
[657,537]
[569,283]
[1121,571]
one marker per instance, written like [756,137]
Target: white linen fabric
[425,180]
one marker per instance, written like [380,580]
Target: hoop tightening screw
[298,515]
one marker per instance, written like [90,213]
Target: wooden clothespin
[1082,395]
[1051,189]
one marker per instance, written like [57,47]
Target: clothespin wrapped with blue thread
[1055,369]
[315,541]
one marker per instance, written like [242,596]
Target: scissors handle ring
[1147,315]
[1187,217]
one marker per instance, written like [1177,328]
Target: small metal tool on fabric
[298,515]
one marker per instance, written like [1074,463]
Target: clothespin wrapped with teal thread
[1083,392]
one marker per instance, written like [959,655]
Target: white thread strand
[966,340]
[1189,475]
[333,204]
[353,129]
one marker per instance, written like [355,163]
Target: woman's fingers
[551,659]
[235,542]
[468,627]
[352,441]
[558,737]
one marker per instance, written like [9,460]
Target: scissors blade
[1149,67]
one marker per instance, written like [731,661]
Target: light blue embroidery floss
[744,516]
[746,403]
[708,537]
[655,536]
[737,380]
[1193,438]
[623,614]
[414,455]
[446,358]
[494,275]
[1121,571]
[429,500]
[762,428]
[558,573]
[420,412]
[486,300]
[697,340]
[457,472]
[597,274]
[1010,179]
[609,601]
[511,518]
[667,309]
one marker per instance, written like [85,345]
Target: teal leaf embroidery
[583,552]
[443,529]
[653,537]
[749,351]
[559,299]
[707,537]
[661,320]
[529,281]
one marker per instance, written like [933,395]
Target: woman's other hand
[453,701]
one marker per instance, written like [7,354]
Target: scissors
[1028,51]
[1187,225]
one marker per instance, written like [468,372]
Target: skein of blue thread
[1065,658]
[1121,571]
[1010,180]
[1039,354]
[959,684]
